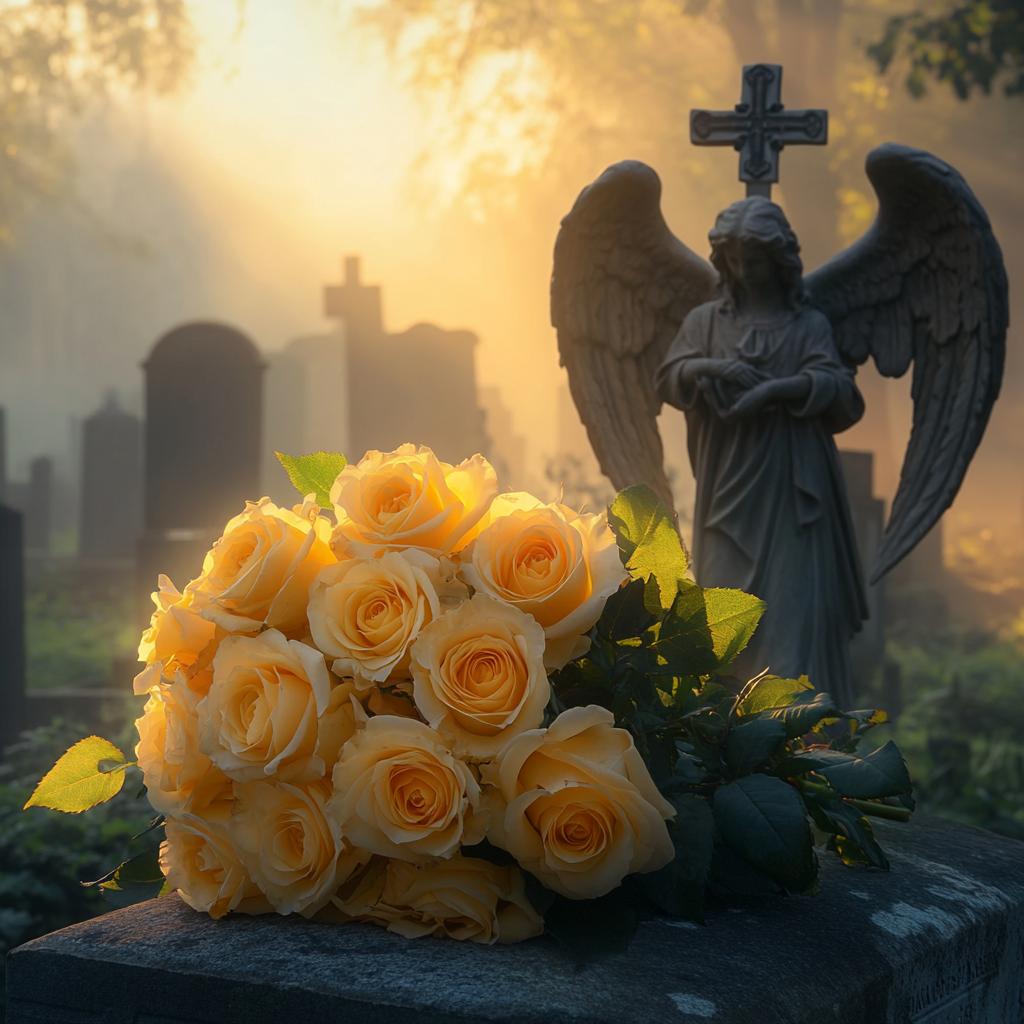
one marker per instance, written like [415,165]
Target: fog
[300,142]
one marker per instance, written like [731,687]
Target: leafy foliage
[56,56]
[961,728]
[314,473]
[648,542]
[748,772]
[45,855]
[969,47]
[136,880]
[90,773]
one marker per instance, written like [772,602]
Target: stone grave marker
[38,506]
[867,649]
[3,455]
[12,626]
[204,414]
[416,385]
[938,939]
[110,511]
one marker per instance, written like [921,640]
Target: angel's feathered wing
[622,284]
[926,283]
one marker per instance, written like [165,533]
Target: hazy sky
[297,141]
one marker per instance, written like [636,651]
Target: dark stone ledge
[939,939]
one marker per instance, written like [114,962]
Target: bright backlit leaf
[314,473]
[773,692]
[79,780]
[648,542]
[733,616]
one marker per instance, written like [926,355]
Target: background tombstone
[3,455]
[204,414]
[306,397]
[867,649]
[38,506]
[12,626]
[110,513]
[418,385]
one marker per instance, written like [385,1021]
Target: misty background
[308,131]
[164,161]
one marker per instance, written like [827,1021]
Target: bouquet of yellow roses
[414,701]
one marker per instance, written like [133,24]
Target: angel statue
[762,360]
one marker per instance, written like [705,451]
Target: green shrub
[962,730]
[45,855]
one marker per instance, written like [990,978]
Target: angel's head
[753,246]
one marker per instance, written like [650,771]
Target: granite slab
[938,939]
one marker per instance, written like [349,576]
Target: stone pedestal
[939,939]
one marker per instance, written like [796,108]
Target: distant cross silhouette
[758,127]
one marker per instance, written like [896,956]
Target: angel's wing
[926,283]
[621,286]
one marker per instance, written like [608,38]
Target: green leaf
[852,836]
[882,773]
[684,638]
[591,929]
[678,888]
[136,881]
[625,616]
[804,713]
[733,616]
[77,782]
[751,744]
[314,473]
[773,692]
[764,821]
[649,544]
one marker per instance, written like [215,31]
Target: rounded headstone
[204,413]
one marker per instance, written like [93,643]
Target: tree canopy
[970,47]
[56,56]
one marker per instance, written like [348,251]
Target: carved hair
[760,221]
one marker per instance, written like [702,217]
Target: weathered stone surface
[938,939]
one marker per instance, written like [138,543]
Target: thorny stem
[864,806]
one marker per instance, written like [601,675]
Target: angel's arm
[782,389]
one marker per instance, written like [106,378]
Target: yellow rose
[581,809]
[175,637]
[557,565]
[179,777]
[272,710]
[200,861]
[365,613]
[291,849]
[478,675]
[399,792]
[461,898]
[408,499]
[260,570]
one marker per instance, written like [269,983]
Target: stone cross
[758,127]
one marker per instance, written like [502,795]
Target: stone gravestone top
[417,385]
[940,939]
[12,626]
[204,415]
[110,516]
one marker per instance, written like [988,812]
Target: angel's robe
[772,516]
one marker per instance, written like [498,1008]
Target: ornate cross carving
[758,127]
